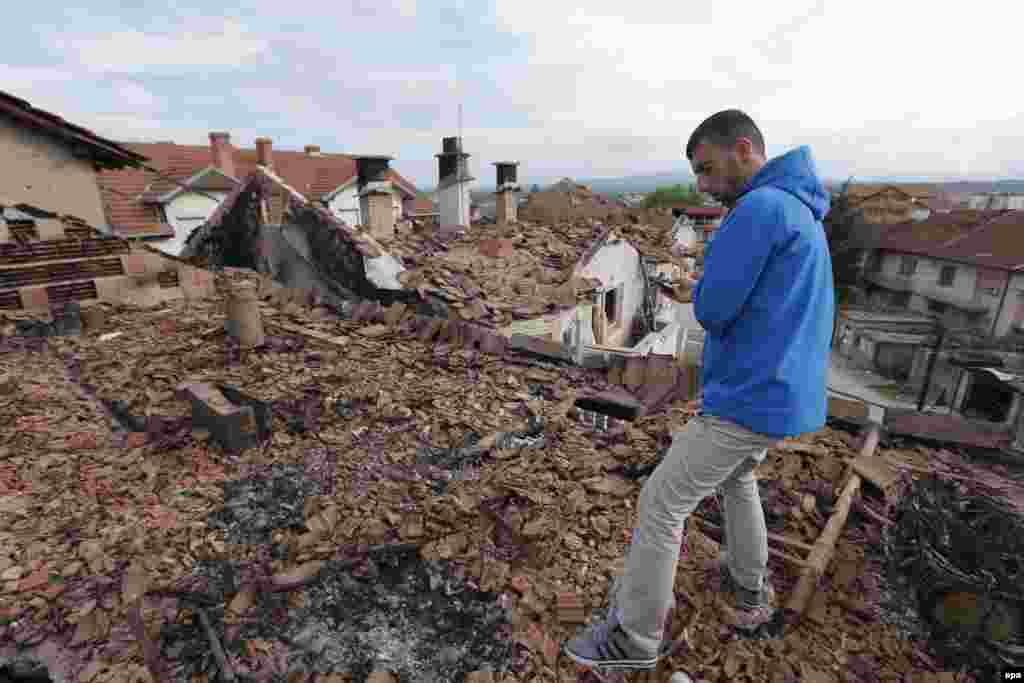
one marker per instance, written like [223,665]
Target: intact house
[884,341]
[1013,201]
[964,266]
[189,182]
[704,220]
[52,163]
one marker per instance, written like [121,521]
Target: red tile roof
[999,243]
[704,211]
[423,205]
[314,176]
[993,239]
[104,152]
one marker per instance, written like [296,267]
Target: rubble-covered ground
[370,532]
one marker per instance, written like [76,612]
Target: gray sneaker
[604,645]
[746,610]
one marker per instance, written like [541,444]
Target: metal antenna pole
[458,159]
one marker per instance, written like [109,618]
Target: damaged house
[580,286]
[48,260]
[53,163]
[270,227]
[165,207]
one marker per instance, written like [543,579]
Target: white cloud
[133,96]
[879,85]
[133,51]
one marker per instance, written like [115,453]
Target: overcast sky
[876,88]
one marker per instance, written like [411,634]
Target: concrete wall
[346,206]
[185,213]
[894,360]
[449,204]
[996,202]
[971,285]
[41,171]
[924,286]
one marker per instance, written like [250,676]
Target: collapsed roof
[268,226]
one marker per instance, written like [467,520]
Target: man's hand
[680,250]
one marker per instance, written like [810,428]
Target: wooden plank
[825,547]
[336,340]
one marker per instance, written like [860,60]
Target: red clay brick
[34,298]
[520,583]
[134,264]
[495,248]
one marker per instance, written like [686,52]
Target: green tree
[670,195]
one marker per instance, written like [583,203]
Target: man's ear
[744,148]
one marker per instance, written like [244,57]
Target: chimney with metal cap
[222,154]
[453,185]
[264,153]
[376,195]
[507,207]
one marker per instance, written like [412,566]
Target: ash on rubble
[463,462]
[418,619]
[952,560]
[269,498]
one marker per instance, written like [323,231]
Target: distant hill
[947,185]
[633,183]
[637,183]
[969,186]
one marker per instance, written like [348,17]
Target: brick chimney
[312,150]
[506,208]
[264,152]
[375,195]
[222,153]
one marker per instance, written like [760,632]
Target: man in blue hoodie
[766,303]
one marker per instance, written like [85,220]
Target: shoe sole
[619,665]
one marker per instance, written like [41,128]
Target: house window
[947,275]
[613,306]
[875,264]
[899,299]
[908,265]
[936,307]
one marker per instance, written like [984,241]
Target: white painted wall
[615,264]
[925,278]
[449,201]
[996,201]
[345,205]
[185,213]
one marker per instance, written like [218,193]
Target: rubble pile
[423,621]
[956,545]
[501,273]
[455,496]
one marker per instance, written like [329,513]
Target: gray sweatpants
[706,454]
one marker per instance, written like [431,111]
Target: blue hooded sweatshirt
[766,302]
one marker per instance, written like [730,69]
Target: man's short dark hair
[724,129]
